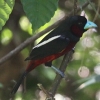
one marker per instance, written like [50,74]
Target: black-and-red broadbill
[58,42]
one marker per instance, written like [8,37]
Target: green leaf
[39,12]
[6,7]
[90,80]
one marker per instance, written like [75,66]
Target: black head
[77,24]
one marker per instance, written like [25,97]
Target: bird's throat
[76,31]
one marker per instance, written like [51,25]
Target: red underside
[34,63]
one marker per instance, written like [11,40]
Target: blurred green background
[83,70]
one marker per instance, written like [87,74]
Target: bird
[57,43]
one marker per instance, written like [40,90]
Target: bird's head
[79,24]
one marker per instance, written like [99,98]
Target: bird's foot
[58,71]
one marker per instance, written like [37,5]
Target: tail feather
[14,90]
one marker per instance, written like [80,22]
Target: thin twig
[97,12]
[33,38]
[44,90]
[94,8]
[75,6]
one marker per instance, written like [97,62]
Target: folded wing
[48,47]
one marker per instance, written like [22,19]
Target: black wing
[48,48]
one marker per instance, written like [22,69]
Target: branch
[65,61]
[58,77]
[33,38]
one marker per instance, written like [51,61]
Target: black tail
[14,90]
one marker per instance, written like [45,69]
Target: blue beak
[90,24]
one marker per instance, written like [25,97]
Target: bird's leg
[58,71]
[49,64]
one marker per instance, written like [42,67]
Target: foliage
[39,11]
[6,7]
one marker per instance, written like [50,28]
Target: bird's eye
[79,23]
